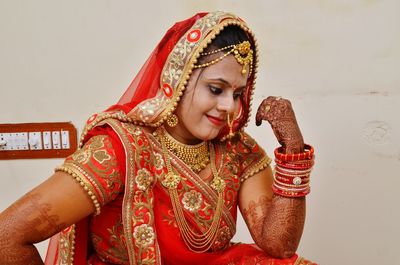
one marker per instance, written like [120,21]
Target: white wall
[337,60]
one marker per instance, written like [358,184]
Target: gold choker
[195,156]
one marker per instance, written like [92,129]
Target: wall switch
[65,139]
[47,140]
[5,141]
[55,136]
[35,141]
[14,141]
[22,141]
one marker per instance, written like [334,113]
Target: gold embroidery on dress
[101,156]
[192,200]
[82,156]
[143,179]
[158,161]
[66,246]
[116,240]
[144,235]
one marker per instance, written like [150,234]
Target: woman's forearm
[278,232]
[16,224]
[19,254]
[40,214]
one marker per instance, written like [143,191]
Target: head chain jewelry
[242,52]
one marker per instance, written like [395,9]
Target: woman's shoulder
[251,157]
[247,140]
[245,148]
[116,121]
[241,141]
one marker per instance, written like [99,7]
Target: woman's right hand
[52,206]
[280,115]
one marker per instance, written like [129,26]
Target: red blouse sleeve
[252,157]
[95,167]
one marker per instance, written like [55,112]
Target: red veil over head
[155,91]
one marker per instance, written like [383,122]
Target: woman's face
[211,94]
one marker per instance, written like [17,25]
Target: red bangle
[292,172]
[301,165]
[290,194]
[293,186]
[306,155]
[291,181]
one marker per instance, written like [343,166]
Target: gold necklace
[196,242]
[195,156]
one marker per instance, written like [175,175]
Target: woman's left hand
[279,113]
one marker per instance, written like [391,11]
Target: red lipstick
[216,121]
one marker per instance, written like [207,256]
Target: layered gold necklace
[195,156]
[196,242]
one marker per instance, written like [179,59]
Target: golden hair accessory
[242,52]
[172,120]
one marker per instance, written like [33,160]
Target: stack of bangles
[292,172]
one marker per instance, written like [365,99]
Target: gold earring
[230,125]
[172,120]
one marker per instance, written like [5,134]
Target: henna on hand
[28,216]
[287,218]
[279,113]
[277,224]
[254,214]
